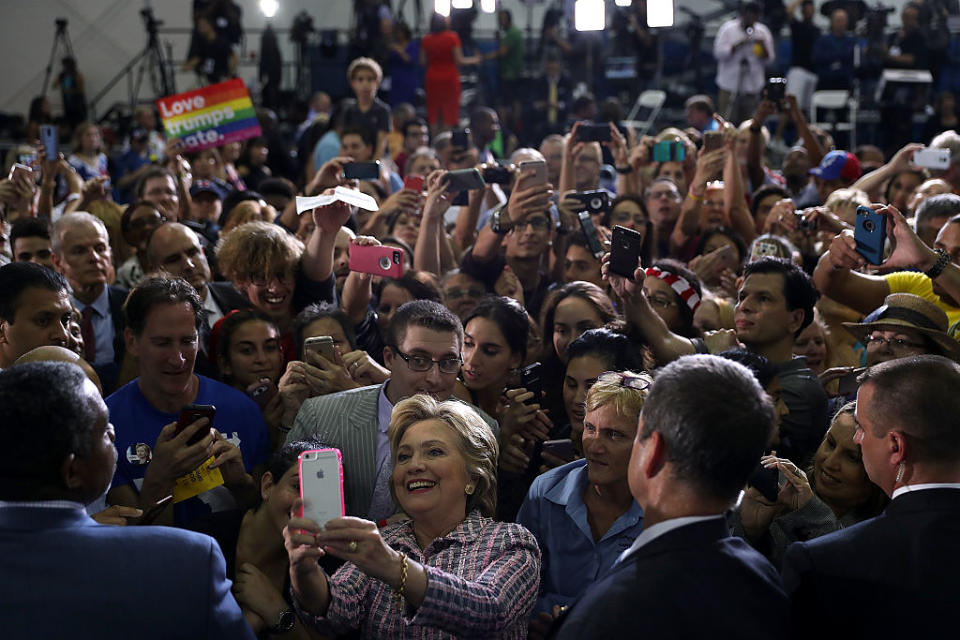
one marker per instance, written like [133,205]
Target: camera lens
[384,262]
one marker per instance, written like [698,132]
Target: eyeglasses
[456,294]
[422,363]
[640,383]
[669,195]
[893,343]
[537,224]
[661,301]
[142,223]
[262,279]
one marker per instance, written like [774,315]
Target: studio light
[461,4]
[589,15]
[269,7]
[660,13]
[442,7]
[488,6]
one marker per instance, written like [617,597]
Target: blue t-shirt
[138,425]
[556,515]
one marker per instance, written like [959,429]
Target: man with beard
[796,172]
[936,277]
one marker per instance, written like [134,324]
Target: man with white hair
[948,140]
[81,252]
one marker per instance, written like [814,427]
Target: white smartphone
[321,485]
[932,158]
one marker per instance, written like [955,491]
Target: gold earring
[468,489]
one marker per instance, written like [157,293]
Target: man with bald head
[552,150]
[175,249]
[54,353]
[81,252]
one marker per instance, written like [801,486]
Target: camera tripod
[152,60]
[61,39]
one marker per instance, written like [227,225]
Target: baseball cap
[836,165]
[207,186]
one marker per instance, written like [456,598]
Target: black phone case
[464,180]
[496,175]
[531,381]
[361,171]
[625,246]
[190,414]
[596,248]
[593,133]
[766,481]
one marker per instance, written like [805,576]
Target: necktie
[89,337]
[552,100]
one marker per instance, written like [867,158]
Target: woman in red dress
[441,53]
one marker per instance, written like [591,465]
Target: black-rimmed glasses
[423,363]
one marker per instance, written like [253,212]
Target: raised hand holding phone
[321,485]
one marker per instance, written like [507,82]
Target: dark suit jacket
[64,575]
[227,297]
[695,581]
[108,371]
[540,92]
[896,575]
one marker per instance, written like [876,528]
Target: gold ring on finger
[353,546]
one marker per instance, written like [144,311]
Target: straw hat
[908,311]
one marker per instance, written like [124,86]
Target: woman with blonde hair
[589,495]
[449,571]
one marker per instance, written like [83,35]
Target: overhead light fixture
[442,7]
[269,7]
[461,4]
[488,6]
[623,3]
[589,15]
[660,13]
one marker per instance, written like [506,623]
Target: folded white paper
[340,194]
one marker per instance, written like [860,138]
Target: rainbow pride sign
[211,116]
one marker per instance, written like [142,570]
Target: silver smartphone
[321,485]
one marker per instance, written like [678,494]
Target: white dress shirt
[729,61]
[651,533]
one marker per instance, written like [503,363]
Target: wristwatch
[498,226]
[285,622]
[943,259]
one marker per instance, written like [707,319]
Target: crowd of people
[620,384]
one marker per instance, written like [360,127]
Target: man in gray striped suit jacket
[423,356]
